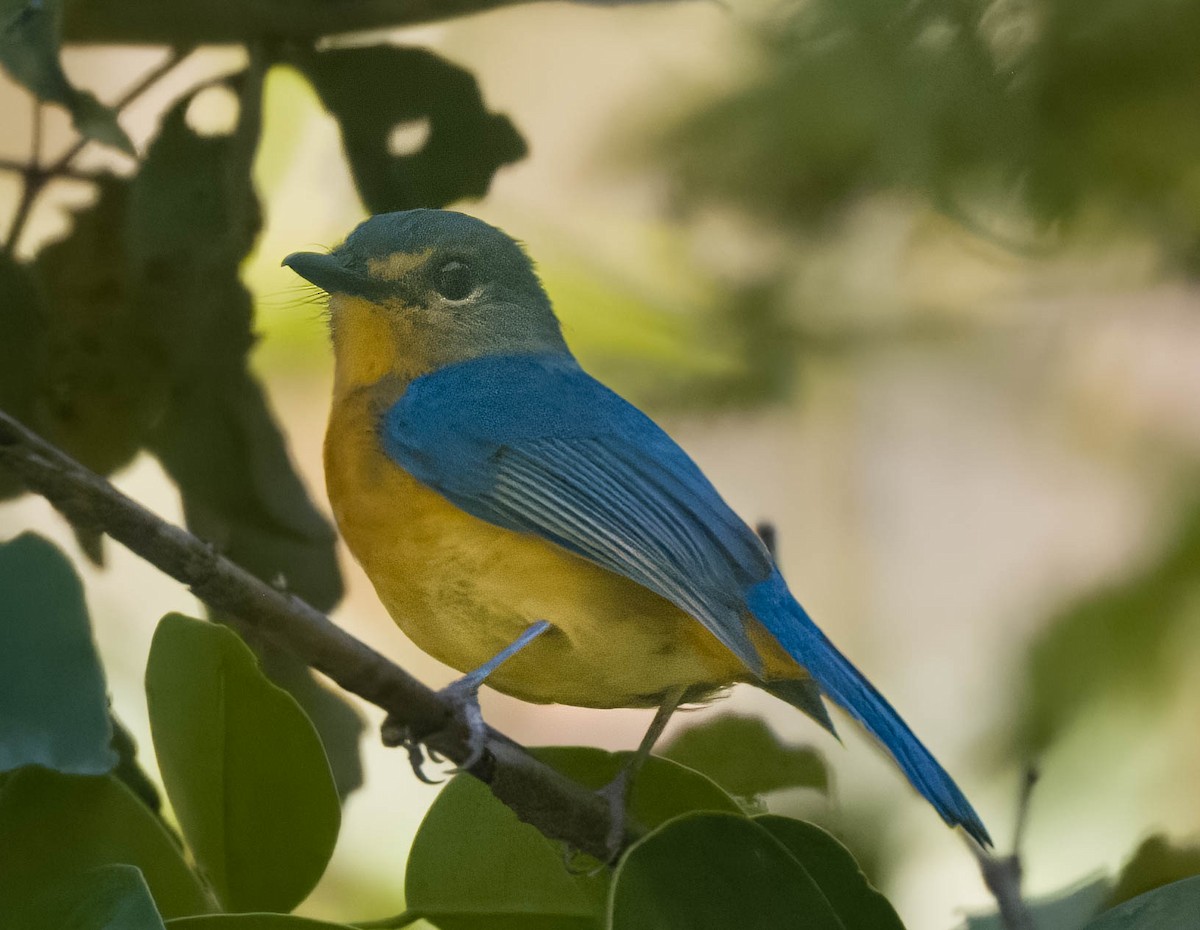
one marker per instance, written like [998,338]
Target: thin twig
[1002,874]
[538,795]
[37,177]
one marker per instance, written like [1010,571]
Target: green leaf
[1113,642]
[337,721]
[715,870]
[744,756]
[474,866]
[858,905]
[52,694]
[1171,907]
[1155,863]
[251,922]
[242,765]
[464,144]
[29,51]
[1066,910]
[54,827]
[193,216]
[111,897]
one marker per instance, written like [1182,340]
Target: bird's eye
[454,281]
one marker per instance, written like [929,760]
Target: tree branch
[217,21]
[537,794]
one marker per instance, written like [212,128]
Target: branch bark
[536,793]
[218,21]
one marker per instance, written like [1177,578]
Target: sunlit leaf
[715,870]
[857,905]
[53,699]
[474,866]
[29,51]
[744,756]
[242,765]
[54,827]
[454,145]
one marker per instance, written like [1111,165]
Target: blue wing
[535,444]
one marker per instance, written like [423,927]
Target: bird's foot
[463,696]
[616,794]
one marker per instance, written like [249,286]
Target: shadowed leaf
[111,897]
[105,824]
[743,756]
[1171,907]
[53,700]
[1155,863]
[455,144]
[193,217]
[22,350]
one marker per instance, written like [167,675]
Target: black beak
[330,275]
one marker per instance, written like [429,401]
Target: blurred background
[916,286]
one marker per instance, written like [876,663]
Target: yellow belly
[462,589]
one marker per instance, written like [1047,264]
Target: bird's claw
[463,696]
[396,734]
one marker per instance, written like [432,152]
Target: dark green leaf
[1171,907]
[464,144]
[52,695]
[708,870]
[743,756]
[103,386]
[1155,863]
[832,867]
[474,866]
[54,827]
[111,897]
[242,765]
[193,217]
[22,350]
[251,922]
[1067,910]
[29,51]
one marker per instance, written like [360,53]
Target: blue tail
[773,605]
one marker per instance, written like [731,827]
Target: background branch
[537,794]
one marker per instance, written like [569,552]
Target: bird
[525,524]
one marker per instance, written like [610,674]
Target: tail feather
[773,605]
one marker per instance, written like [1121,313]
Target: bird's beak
[329,274]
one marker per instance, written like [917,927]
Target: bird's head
[413,291]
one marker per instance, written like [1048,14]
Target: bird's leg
[463,695]
[616,792]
